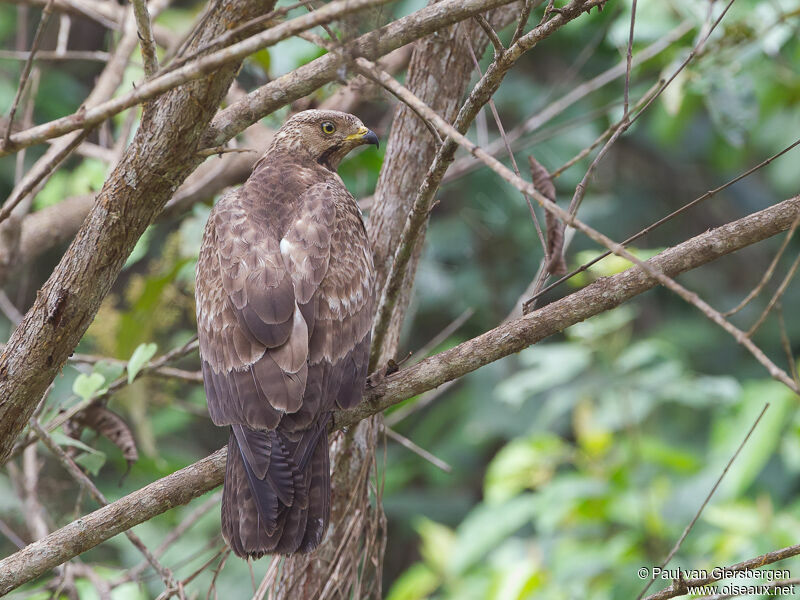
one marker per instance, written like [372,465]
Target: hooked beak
[365,136]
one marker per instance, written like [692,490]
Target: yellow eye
[328,127]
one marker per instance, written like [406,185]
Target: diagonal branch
[145,37]
[205,65]
[161,155]
[513,336]
[480,95]
[568,218]
[304,80]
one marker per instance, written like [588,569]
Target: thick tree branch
[681,587]
[304,80]
[391,301]
[204,66]
[159,158]
[88,531]
[509,338]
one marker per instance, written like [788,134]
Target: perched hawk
[284,308]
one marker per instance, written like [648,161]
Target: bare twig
[11,535]
[421,452]
[204,65]
[663,220]
[681,587]
[50,55]
[8,309]
[629,60]
[700,510]
[174,535]
[146,40]
[577,93]
[511,337]
[609,131]
[86,483]
[491,34]
[775,297]
[767,274]
[35,176]
[26,70]
[787,345]
[523,20]
[442,335]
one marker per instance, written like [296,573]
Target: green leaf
[109,370]
[87,386]
[550,365]
[92,461]
[487,526]
[437,543]
[523,464]
[65,440]
[140,249]
[416,583]
[139,358]
[762,444]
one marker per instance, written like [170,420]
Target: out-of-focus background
[575,462]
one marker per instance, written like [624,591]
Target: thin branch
[440,337]
[39,172]
[787,346]
[174,534]
[88,484]
[204,65]
[767,274]
[503,136]
[480,95]
[491,34]
[609,131]
[91,55]
[663,220]
[146,40]
[629,60]
[681,587]
[305,79]
[8,309]
[523,20]
[695,51]
[419,451]
[690,297]
[700,510]
[26,70]
[509,338]
[775,297]
[577,93]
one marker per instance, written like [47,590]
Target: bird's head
[325,135]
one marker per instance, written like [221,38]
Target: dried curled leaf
[109,424]
[555,228]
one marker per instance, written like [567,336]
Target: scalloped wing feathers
[284,309]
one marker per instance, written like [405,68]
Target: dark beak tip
[371,138]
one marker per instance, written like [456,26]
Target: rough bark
[513,336]
[157,161]
[310,77]
[85,533]
[440,70]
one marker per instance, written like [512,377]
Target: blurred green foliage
[575,462]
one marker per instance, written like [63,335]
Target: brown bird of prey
[284,309]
